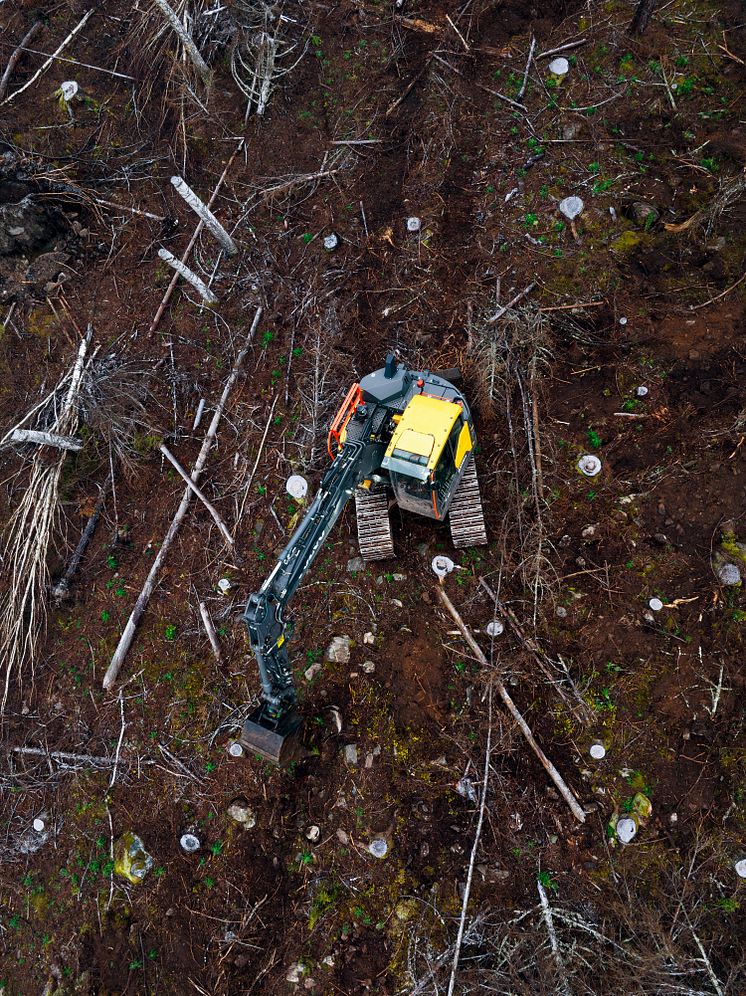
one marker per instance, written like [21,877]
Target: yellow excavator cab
[423,429]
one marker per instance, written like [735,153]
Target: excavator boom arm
[265,610]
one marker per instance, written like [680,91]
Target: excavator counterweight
[401,436]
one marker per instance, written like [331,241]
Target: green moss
[730,545]
[40,324]
[325,898]
[626,243]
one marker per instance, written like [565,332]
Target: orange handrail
[353,398]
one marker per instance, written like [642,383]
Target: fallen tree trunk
[525,729]
[141,604]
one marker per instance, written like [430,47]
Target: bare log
[143,599]
[212,636]
[61,588]
[521,93]
[45,65]
[202,211]
[641,17]
[16,55]
[195,235]
[46,439]
[189,275]
[525,729]
[561,48]
[199,493]
[186,40]
[65,758]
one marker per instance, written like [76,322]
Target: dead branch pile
[268,46]
[31,528]
[509,361]
[318,389]
[635,943]
[113,397]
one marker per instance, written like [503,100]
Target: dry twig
[60,48]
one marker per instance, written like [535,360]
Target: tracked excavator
[401,436]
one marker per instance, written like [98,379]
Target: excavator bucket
[277,741]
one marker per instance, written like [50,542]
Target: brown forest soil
[657,121]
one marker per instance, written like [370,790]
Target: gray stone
[355,564]
[240,811]
[729,574]
[351,754]
[643,214]
[338,651]
[24,224]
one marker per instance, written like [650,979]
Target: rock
[240,811]
[661,539]
[588,532]
[313,833]
[338,651]
[559,66]
[643,214]
[368,667]
[131,860]
[310,673]
[561,612]
[355,564]
[642,806]
[369,639]
[398,603]
[729,574]
[501,874]
[295,973]
[331,242]
[564,541]
[398,577]
[368,760]
[351,754]
[413,224]
[342,837]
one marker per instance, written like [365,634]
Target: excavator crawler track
[466,516]
[373,525]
